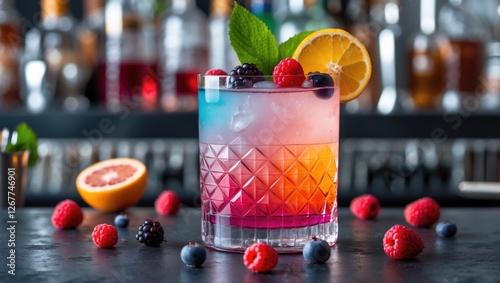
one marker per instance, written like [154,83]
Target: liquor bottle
[386,59]
[302,15]
[127,78]
[427,54]
[221,53]
[10,46]
[91,36]
[467,36]
[263,9]
[183,54]
[53,71]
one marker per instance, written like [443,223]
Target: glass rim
[265,76]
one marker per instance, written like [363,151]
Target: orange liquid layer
[269,181]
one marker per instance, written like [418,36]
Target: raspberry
[288,73]
[215,72]
[105,236]
[245,76]
[67,215]
[260,257]
[365,207]
[150,233]
[167,203]
[423,212]
[401,242]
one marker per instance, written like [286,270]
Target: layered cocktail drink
[268,163]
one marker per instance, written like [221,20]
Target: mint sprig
[287,48]
[26,140]
[254,43]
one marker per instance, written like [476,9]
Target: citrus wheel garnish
[336,52]
[112,185]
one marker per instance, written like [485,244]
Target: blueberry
[121,221]
[324,81]
[316,251]
[446,229]
[193,255]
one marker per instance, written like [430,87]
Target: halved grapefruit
[112,185]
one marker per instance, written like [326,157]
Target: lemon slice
[337,52]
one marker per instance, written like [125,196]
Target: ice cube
[242,117]
[307,84]
[265,84]
[212,89]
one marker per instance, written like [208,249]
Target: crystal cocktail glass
[268,164]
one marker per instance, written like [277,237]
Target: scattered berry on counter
[121,220]
[67,215]
[215,72]
[401,242]
[260,257]
[423,212]
[365,206]
[105,236]
[150,233]
[242,76]
[322,80]
[446,229]
[316,250]
[167,203]
[193,255]
[288,73]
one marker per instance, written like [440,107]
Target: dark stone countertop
[45,254]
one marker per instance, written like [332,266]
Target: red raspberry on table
[67,215]
[423,212]
[167,203]
[401,242]
[365,207]
[286,67]
[105,236]
[215,72]
[260,257]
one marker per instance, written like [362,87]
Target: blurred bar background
[98,79]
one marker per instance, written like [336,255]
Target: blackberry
[244,76]
[322,80]
[150,233]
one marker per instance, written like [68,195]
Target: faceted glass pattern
[271,186]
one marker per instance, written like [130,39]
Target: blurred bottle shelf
[397,171]
[97,124]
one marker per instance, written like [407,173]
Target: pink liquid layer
[269,187]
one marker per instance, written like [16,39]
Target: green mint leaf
[287,48]
[26,140]
[252,40]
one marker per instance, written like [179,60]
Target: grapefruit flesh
[113,185]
